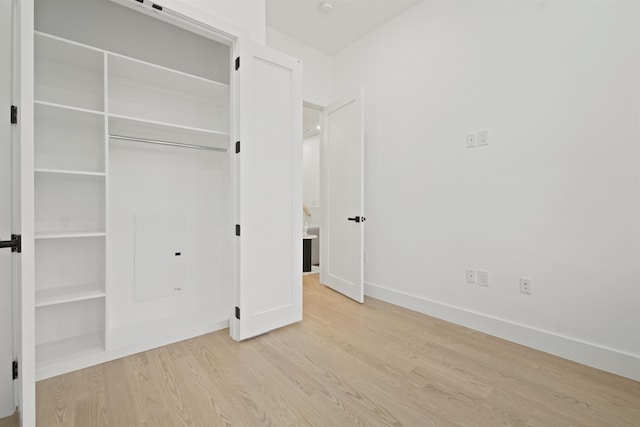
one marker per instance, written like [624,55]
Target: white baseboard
[610,360]
[151,342]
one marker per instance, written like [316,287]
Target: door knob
[357,219]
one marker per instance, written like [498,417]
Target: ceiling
[347,20]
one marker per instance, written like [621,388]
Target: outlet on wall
[483,137]
[478,139]
[525,285]
[483,278]
[471,275]
[471,139]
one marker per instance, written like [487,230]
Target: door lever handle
[357,219]
[15,243]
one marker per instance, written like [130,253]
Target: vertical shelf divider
[106,202]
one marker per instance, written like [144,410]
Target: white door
[341,266]
[269,182]
[7,403]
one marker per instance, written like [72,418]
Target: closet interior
[133,183]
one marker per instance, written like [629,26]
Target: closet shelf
[119,120]
[68,107]
[63,43]
[49,354]
[68,172]
[135,71]
[42,236]
[134,127]
[71,293]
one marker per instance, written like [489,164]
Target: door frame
[320,109]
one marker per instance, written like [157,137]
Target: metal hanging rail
[170,143]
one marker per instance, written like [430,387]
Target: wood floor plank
[345,364]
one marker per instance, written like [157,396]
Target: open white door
[269,181]
[341,265]
[7,401]
[23,208]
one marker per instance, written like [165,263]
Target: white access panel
[159,268]
[269,281]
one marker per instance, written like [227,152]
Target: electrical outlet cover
[525,285]
[471,275]
[483,278]
[471,139]
[483,138]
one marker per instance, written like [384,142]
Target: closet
[141,187]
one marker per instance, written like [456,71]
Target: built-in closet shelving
[84,99]
[70,193]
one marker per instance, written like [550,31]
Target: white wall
[555,196]
[317,68]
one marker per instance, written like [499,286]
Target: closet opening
[134,181]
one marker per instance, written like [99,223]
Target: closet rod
[161,142]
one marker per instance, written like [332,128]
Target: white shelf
[68,138]
[68,73]
[69,204]
[119,121]
[151,129]
[65,41]
[72,293]
[68,107]
[128,68]
[61,351]
[155,94]
[40,236]
[68,172]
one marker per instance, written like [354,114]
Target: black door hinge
[15,243]
[14,115]
[238,313]
[237,229]
[237,63]
[14,369]
[237,147]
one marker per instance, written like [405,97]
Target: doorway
[312,207]
[340,152]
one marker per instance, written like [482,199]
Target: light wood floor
[346,364]
[11,421]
